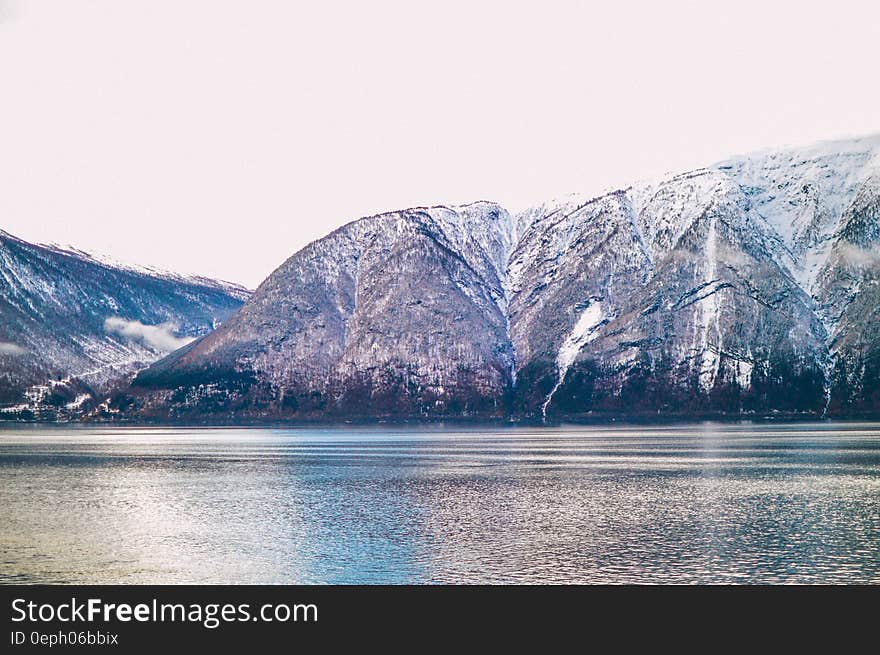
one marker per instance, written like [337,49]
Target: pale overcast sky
[219,137]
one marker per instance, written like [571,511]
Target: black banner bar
[148,618]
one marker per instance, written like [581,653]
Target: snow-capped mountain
[72,326]
[750,286]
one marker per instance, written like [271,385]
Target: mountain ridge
[73,327]
[689,295]
[749,287]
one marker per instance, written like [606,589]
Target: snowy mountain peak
[803,193]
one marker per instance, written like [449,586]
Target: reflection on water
[697,503]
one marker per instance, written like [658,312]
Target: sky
[217,138]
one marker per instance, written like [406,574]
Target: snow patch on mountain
[744,373]
[710,308]
[583,332]
[77,402]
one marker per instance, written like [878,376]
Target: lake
[697,503]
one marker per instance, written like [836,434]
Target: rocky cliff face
[749,287]
[669,298]
[73,327]
[847,291]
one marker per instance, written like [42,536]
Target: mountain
[403,313]
[745,288]
[72,326]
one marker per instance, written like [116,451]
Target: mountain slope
[687,309]
[748,287]
[71,326]
[848,293]
[403,313]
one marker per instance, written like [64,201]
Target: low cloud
[7,348]
[158,337]
[860,257]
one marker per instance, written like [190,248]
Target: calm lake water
[714,503]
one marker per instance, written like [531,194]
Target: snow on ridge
[864,143]
[665,209]
[803,193]
[234,289]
